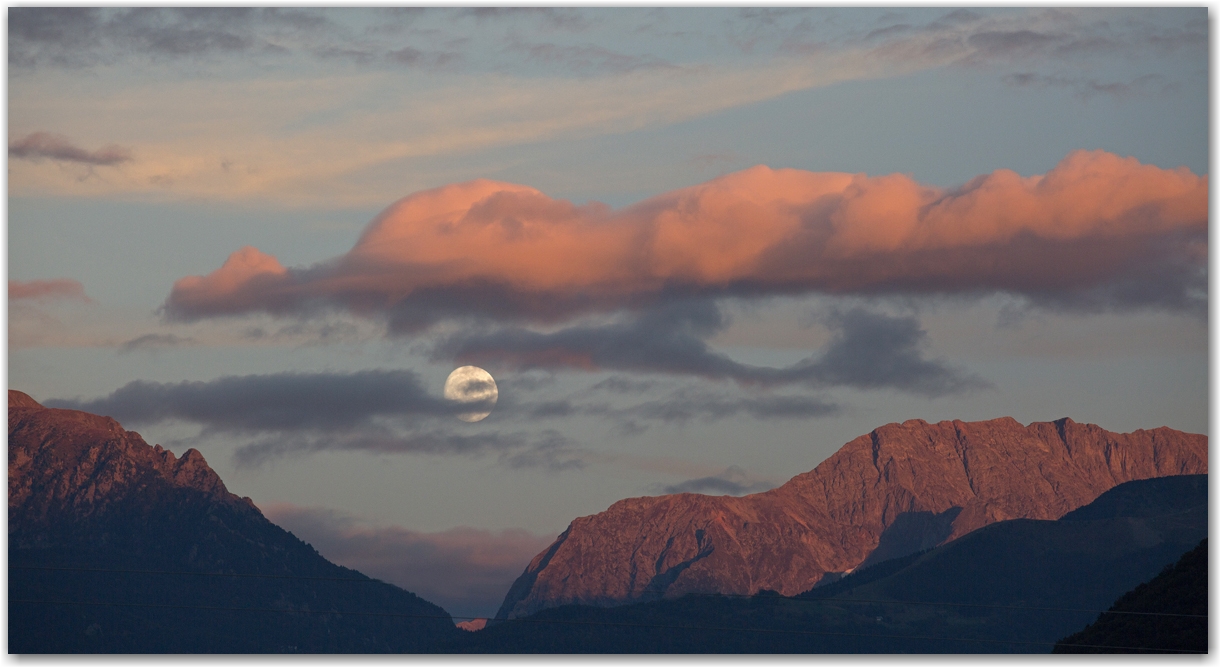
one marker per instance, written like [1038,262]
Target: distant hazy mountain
[1011,587]
[898,490]
[114,546]
[1159,615]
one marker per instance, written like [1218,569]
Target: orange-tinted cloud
[1097,230]
[61,288]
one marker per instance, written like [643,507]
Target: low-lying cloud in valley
[465,570]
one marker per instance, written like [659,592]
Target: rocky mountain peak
[67,461]
[897,490]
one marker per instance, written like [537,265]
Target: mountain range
[914,538]
[897,490]
[1014,586]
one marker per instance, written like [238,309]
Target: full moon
[471,384]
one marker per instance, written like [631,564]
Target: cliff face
[902,488]
[116,546]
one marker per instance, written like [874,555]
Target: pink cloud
[61,288]
[465,570]
[1097,229]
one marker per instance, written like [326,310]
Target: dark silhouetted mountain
[114,546]
[901,489]
[1010,587]
[1160,615]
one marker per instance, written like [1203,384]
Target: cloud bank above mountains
[1097,232]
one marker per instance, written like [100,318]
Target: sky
[699,249]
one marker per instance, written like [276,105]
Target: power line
[606,624]
[725,595]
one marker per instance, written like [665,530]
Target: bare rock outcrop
[902,488]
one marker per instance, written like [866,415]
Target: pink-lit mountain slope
[902,488]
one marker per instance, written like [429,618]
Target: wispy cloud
[84,36]
[61,288]
[154,341]
[734,481]
[548,450]
[383,104]
[44,145]
[1086,87]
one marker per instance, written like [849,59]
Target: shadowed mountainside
[1011,587]
[898,490]
[1160,614]
[116,547]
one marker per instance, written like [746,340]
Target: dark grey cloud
[1049,35]
[414,57]
[1086,87]
[679,406]
[889,31]
[297,414]
[868,351]
[548,449]
[686,405]
[47,146]
[1007,43]
[733,482]
[587,58]
[275,402]
[88,36]
[155,341]
[561,18]
[623,384]
[306,332]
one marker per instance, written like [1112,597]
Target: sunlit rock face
[903,487]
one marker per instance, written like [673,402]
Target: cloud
[60,288]
[868,351]
[297,414]
[43,145]
[465,570]
[1084,87]
[679,406]
[587,58]
[275,402]
[321,138]
[155,341]
[78,36]
[547,450]
[733,481]
[1098,231]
